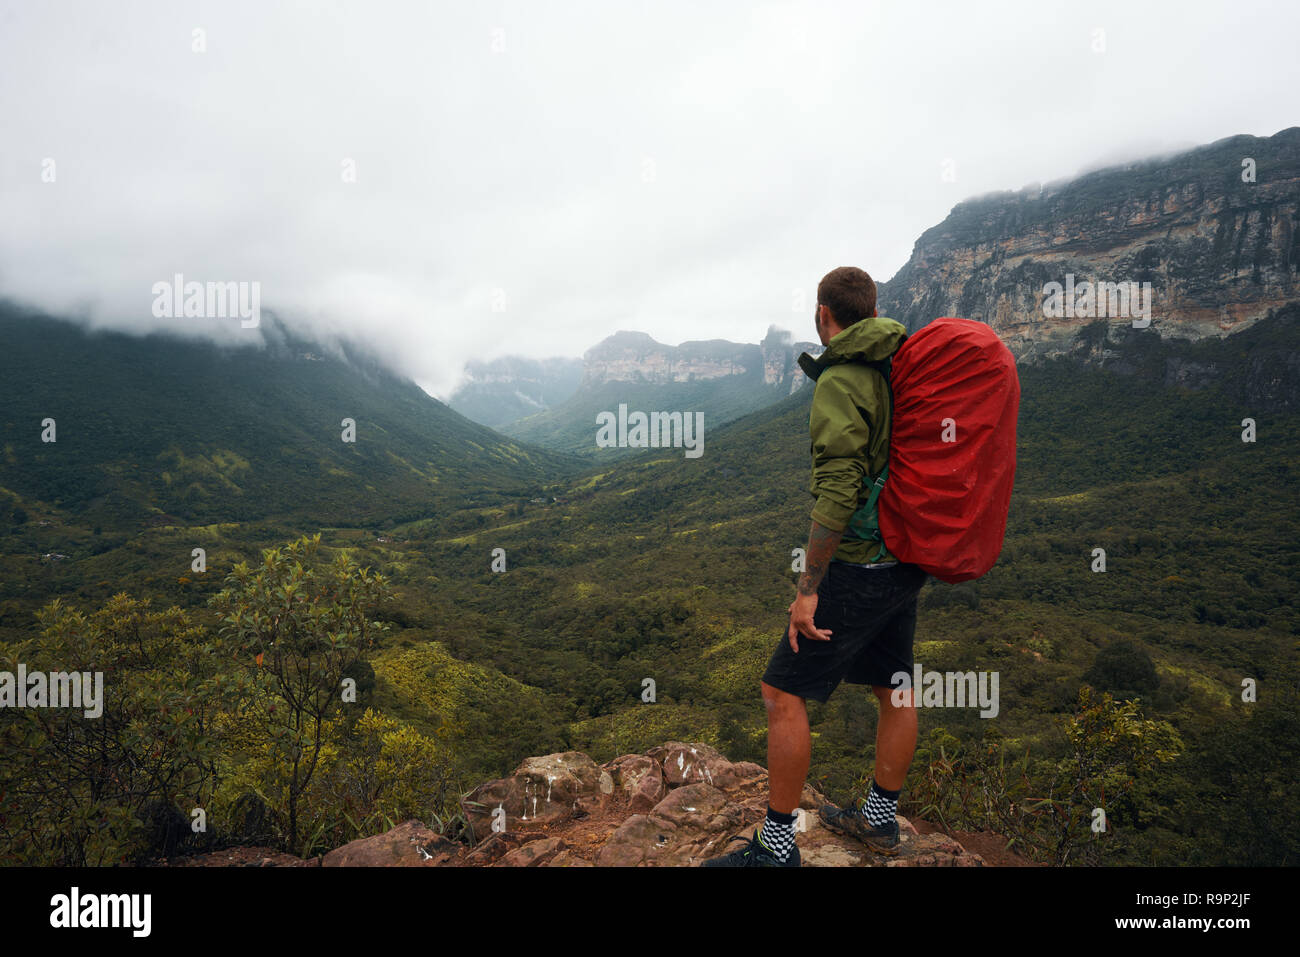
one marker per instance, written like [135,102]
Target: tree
[384,772]
[298,631]
[1124,669]
[77,788]
[1048,808]
[1111,746]
[1245,807]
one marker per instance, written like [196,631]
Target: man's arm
[840,437]
[822,544]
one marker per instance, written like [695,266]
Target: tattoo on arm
[822,544]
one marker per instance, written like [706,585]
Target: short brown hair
[850,293]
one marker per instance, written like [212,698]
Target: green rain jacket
[849,425]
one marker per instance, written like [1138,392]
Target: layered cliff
[552,400]
[636,357]
[1205,243]
[719,380]
[1214,232]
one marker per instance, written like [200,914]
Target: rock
[495,847]
[533,853]
[627,845]
[831,855]
[934,850]
[641,778]
[410,844]
[810,799]
[675,806]
[567,858]
[1228,262]
[681,829]
[689,763]
[543,789]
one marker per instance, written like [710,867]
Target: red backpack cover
[952,449]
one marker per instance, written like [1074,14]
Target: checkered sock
[778,834]
[880,805]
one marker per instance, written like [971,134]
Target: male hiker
[855,612]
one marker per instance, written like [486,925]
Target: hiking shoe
[850,821]
[753,854]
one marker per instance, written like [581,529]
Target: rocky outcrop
[636,357]
[781,359]
[1220,247]
[723,380]
[408,845]
[641,779]
[674,806]
[541,790]
[1209,237]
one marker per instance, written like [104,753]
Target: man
[855,613]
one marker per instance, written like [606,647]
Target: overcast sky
[533,176]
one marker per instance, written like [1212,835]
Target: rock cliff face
[508,390]
[1208,240]
[718,379]
[635,357]
[1215,232]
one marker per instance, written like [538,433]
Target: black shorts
[871,614]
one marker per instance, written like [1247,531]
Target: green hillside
[571,426]
[157,428]
[678,570]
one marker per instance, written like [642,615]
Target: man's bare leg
[895,738]
[789,748]
[874,822]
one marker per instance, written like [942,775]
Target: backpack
[942,500]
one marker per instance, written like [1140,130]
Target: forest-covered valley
[657,567]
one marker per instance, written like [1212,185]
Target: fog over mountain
[441,183]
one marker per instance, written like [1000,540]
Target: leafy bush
[1124,669]
[1048,809]
[382,773]
[296,631]
[78,790]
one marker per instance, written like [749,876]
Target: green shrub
[80,790]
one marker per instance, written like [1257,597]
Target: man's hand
[802,610]
[822,543]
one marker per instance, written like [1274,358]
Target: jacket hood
[867,340]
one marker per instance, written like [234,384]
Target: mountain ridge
[160,425]
[1214,230]
[1204,249]
[721,379]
